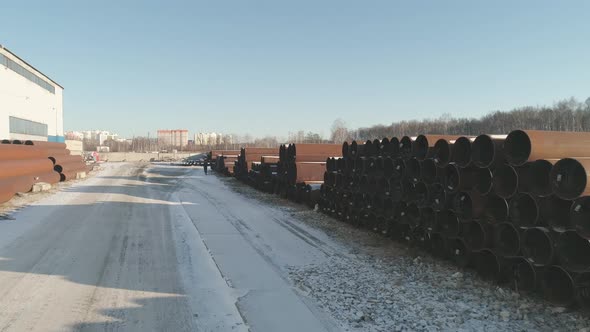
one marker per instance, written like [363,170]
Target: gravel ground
[380,285]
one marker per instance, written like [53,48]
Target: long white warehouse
[31,104]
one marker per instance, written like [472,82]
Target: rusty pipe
[11,168]
[46,145]
[538,246]
[505,181]
[486,150]
[580,216]
[468,205]
[19,152]
[428,170]
[555,212]
[496,210]
[529,145]
[461,152]
[524,210]
[305,171]
[423,145]
[507,240]
[489,266]
[441,152]
[540,171]
[525,276]
[569,178]
[478,235]
[558,286]
[405,147]
[448,224]
[573,251]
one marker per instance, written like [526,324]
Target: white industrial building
[31,104]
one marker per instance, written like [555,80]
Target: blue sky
[270,67]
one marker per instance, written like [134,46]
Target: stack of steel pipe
[513,207]
[24,163]
[253,156]
[224,163]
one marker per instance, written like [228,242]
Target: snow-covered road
[154,247]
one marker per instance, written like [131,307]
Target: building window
[27,127]
[24,72]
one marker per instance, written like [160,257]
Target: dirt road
[151,249]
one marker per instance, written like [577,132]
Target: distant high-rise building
[176,138]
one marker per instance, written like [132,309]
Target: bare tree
[339,133]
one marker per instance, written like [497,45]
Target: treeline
[566,115]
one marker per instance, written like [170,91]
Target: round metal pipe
[428,219]
[399,169]
[356,150]
[413,169]
[468,205]
[569,178]
[408,192]
[405,147]
[411,215]
[477,235]
[438,245]
[384,147]
[19,152]
[6,141]
[345,149]
[537,246]
[461,152]
[421,237]
[484,181]
[540,171]
[486,150]
[582,283]
[392,150]
[428,170]
[505,181]
[496,210]
[437,196]
[558,286]
[489,265]
[456,179]
[459,252]
[573,251]
[530,145]
[507,240]
[387,167]
[376,147]
[555,212]
[524,210]
[580,216]
[448,224]
[396,190]
[441,152]
[12,168]
[525,277]
[421,193]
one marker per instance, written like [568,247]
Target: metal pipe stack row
[222,161]
[510,206]
[25,163]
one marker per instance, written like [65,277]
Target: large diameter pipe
[457,179]
[305,171]
[573,251]
[12,168]
[66,159]
[524,210]
[540,171]
[421,194]
[345,150]
[399,169]
[569,178]
[428,219]
[537,246]
[505,181]
[478,235]
[486,150]
[300,149]
[580,216]
[558,286]
[405,147]
[413,170]
[448,224]
[356,150]
[437,196]
[428,170]
[555,212]
[441,152]
[507,240]
[496,210]
[392,150]
[582,283]
[459,252]
[468,205]
[19,152]
[489,266]
[525,276]
[421,148]
[461,152]
[529,145]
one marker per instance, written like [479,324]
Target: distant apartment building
[176,138]
[100,136]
